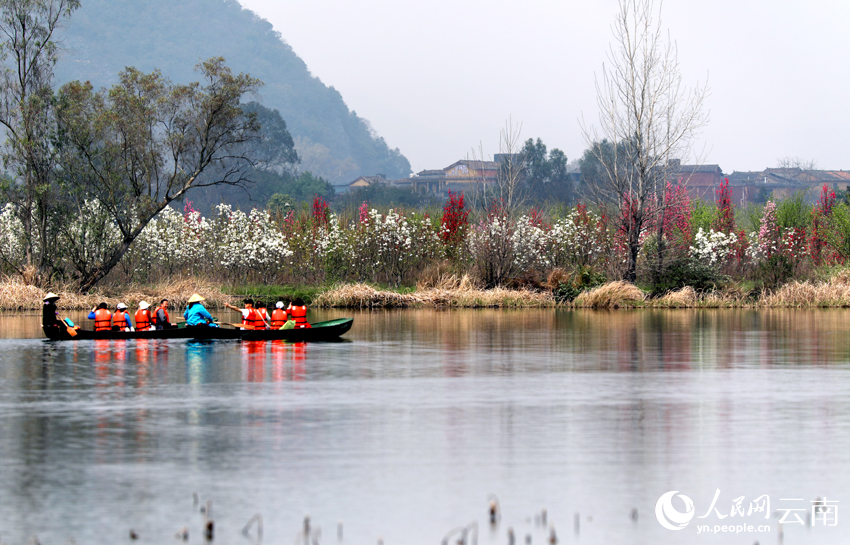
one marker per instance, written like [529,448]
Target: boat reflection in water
[273,361]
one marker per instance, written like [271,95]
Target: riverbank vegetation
[783,253]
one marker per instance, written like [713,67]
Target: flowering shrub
[11,238]
[454,222]
[577,240]
[768,239]
[89,236]
[677,216]
[392,246]
[820,219]
[725,220]
[777,252]
[320,211]
[315,245]
[713,247]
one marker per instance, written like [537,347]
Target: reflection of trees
[530,340]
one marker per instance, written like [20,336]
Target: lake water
[402,432]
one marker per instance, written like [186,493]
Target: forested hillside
[105,36]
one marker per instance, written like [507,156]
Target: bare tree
[508,192]
[797,162]
[647,115]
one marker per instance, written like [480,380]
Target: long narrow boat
[320,331]
[62,334]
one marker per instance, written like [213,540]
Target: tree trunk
[90,280]
[634,249]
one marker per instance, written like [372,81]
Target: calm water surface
[403,431]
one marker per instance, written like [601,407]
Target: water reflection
[404,430]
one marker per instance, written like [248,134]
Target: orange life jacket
[121,320]
[278,318]
[143,319]
[299,314]
[102,320]
[167,318]
[254,320]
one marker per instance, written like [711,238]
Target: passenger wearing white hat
[144,320]
[279,316]
[121,318]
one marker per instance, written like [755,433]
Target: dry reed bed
[447,292]
[363,296]
[833,293]
[16,295]
[611,295]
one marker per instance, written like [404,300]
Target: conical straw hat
[195,298]
[50,296]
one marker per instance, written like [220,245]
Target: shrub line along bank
[691,245]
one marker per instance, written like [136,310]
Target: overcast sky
[439,78]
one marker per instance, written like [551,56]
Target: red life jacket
[254,320]
[278,318]
[121,320]
[299,314]
[143,319]
[102,320]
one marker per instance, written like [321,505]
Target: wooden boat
[321,331]
[61,334]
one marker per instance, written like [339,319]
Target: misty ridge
[103,37]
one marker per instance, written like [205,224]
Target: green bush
[702,215]
[585,278]
[794,212]
[688,271]
[837,230]
[774,271]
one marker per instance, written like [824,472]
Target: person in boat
[298,311]
[163,321]
[49,313]
[196,315]
[251,319]
[102,317]
[261,308]
[144,318]
[279,315]
[121,319]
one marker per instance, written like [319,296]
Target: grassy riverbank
[452,292]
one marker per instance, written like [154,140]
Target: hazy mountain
[105,36]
